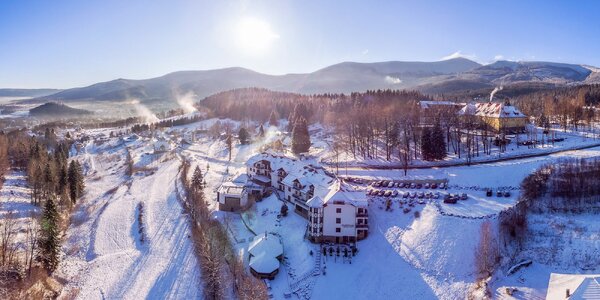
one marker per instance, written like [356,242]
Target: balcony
[362,215]
[362,226]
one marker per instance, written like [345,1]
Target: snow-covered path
[106,258]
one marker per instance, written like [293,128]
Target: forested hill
[57,110]
[258,104]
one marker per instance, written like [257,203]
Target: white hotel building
[334,212]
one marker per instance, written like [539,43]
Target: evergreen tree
[426,144]
[63,180]
[48,179]
[243,136]
[273,119]
[438,142]
[197,179]
[261,131]
[300,137]
[75,179]
[49,241]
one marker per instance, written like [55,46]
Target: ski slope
[104,255]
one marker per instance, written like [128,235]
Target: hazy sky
[64,44]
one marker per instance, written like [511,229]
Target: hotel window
[338,220]
[338,210]
[338,230]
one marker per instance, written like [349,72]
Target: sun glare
[254,36]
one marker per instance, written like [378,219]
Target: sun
[254,36]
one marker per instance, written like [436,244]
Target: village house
[235,194]
[161,145]
[500,117]
[496,116]
[335,213]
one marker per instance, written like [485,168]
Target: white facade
[341,217]
[233,195]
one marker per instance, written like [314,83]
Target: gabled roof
[581,286]
[497,110]
[425,104]
[588,289]
[339,192]
[302,171]
[315,202]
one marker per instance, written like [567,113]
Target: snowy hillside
[416,250]
[105,255]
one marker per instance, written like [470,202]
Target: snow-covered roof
[266,244]
[496,110]
[235,186]
[425,104]
[305,173]
[309,175]
[315,202]
[339,192]
[580,286]
[468,109]
[264,264]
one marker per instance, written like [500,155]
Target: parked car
[380,193]
[419,185]
[420,195]
[436,195]
[463,196]
[412,195]
[489,192]
[507,194]
[406,210]
[391,184]
[395,193]
[401,184]
[499,193]
[421,201]
[377,183]
[405,195]
[387,193]
[442,185]
[434,185]
[385,183]
[426,185]
[413,185]
[450,199]
[428,195]
[369,192]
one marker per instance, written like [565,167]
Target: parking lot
[450,199]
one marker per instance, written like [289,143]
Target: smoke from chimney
[497,89]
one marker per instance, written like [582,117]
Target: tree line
[56,185]
[220,267]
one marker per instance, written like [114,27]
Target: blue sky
[64,44]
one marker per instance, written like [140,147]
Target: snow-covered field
[405,256]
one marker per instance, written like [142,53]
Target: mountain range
[458,74]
